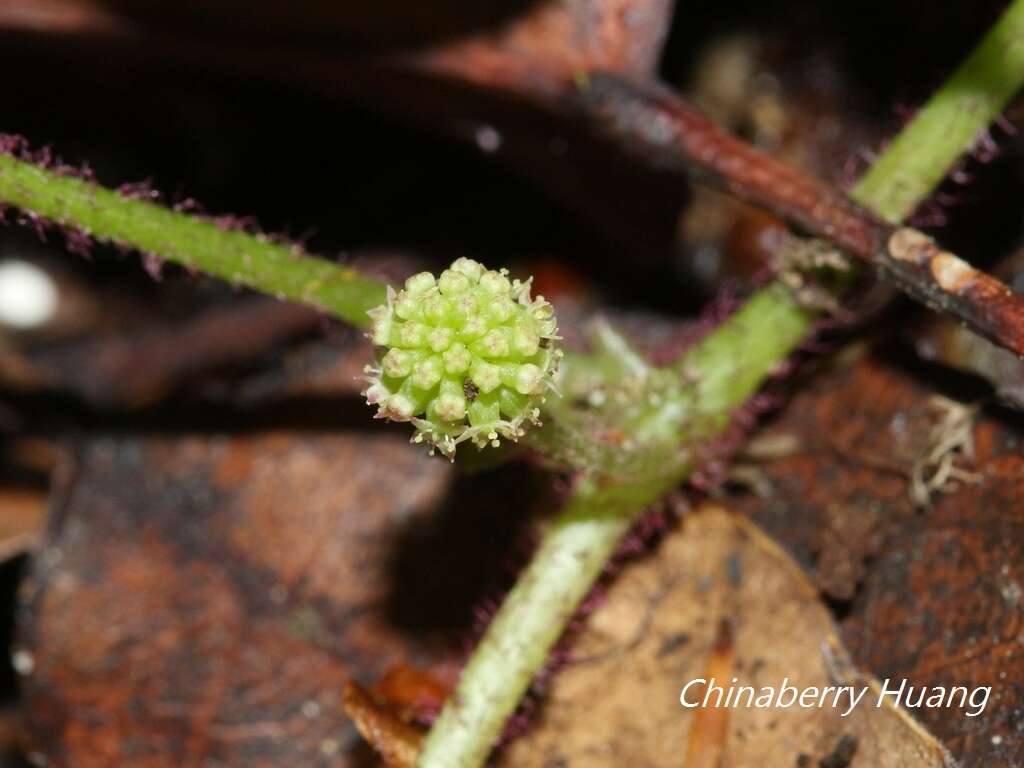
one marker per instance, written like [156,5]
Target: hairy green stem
[238,257]
[949,124]
[726,369]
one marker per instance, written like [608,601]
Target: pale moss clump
[467,356]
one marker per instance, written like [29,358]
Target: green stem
[241,258]
[573,551]
[726,369]
[949,124]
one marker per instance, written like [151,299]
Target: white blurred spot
[488,138]
[28,296]
[23,662]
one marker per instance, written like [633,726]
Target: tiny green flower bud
[407,308]
[397,363]
[450,407]
[427,373]
[493,344]
[486,376]
[435,308]
[411,335]
[440,339]
[457,358]
[474,326]
[454,283]
[525,341]
[501,309]
[468,356]
[419,283]
[471,269]
[528,380]
[494,283]
[400,407]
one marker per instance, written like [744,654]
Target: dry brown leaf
[933,595]
[205,600]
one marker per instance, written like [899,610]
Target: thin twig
[673,134]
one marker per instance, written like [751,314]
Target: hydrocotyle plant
[671,411]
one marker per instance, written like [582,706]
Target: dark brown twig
[674,135]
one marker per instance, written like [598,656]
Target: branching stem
[727,367]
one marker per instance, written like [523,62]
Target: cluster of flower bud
[466,356]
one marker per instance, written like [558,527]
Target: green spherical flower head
[466,356]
